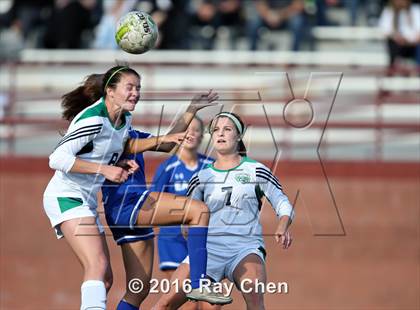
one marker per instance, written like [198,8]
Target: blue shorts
[172,247]
[122,217]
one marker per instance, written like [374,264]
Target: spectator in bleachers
[212,15]
[68,21]
[105,31]
[173,18]
[400,22]
[204,26]
[282,14]
[370,9]
[26,15]
[320,8]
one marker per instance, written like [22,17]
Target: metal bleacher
[373,117]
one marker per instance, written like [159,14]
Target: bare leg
[138,263]
[168,273]
[168,209]
[89,245]
[83,236]
[253,268]
[174,300]
[108,273]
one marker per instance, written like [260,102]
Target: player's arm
[198,102]
[175,136]
[158,143]
[79,136]
[272,190]
[112,173]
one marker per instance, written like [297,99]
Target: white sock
[93,295]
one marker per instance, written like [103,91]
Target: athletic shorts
[61,209]
[121,219]
[222,265]
[172,247]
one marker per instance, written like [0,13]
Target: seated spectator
[69,19]
[173,18]
[282,14]
[26,15]
[400,22]
[105,31]
[211,15]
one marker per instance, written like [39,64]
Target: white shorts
[61,209]
[221,266]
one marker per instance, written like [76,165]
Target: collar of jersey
[243,159]
[107,116]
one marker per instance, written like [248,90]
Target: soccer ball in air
[136,32]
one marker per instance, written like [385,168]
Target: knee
[98,266]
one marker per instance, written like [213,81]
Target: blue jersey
[173,175]
[114,193]
[122,202]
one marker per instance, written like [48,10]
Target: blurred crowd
[197,24]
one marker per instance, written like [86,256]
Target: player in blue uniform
[131,202]
[172,176]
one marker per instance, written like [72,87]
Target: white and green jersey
[234,199]
[92,137]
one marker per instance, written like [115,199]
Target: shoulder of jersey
[253,163]
[204,160]
[171,163]
[250,161]
[259,167]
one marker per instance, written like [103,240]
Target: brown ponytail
[83,96]
[242,148]
[93,88]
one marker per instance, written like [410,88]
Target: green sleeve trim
[249,160]
[67,203]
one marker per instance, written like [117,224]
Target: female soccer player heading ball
[99,112]
[233,187]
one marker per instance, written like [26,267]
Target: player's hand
[128,164]
[114,173]
[284,238]
[203,100]
[177,138]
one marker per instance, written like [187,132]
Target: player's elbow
[61,162]
[287,209]
[53,161]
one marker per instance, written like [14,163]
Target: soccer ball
[136,32]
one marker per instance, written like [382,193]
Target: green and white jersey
[92,137]
[234,199]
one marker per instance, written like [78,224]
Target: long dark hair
[241,145]
[93,88]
